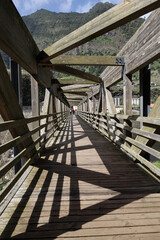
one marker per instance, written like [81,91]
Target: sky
[26,7]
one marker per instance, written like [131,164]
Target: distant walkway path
[84,188]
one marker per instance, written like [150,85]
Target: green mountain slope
[47,27]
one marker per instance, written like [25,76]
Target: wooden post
[104,100]
[35,106]
[110,103]
[127,102]
[16,80]
[53,109]
[127,95]
[46,107]
[93,102]
[145,80]
[110,110]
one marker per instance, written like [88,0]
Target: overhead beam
[76,86]
[71,95]
[86,60]
[77,73]
[117,16]
[74,81]
[76,93]
[78,90]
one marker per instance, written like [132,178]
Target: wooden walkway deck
[84,188]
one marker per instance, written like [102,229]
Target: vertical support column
[145,80]
[127,101]
[127,95]
[53,109]
[104,100]
[35,106]
[110,103]
[111,109]
[46,102]
[16,80]
[94,103]
[100,99]
[46,108]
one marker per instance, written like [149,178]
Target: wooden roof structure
[80,88]
[26,53]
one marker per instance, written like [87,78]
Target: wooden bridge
[88,175]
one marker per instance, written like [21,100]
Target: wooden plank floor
[84,188]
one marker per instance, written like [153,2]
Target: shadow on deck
[83,187]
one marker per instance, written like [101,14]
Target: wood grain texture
[139,51]
[83,187]
[109,20]
[155,113]
[77,73]
[87,60]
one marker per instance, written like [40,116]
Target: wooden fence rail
[114,127]
[49,128]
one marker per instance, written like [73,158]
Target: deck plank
[83,187]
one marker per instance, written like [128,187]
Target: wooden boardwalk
[83,187]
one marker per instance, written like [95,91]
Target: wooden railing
[52,123]
[125,131]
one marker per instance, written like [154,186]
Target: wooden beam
[17,42]
[127,95]
[77,93]
[78,90]
[109,20]
[15,75]
[73,100]
[15,39]
[74,81]
[86,60]
[76,73]
[35,106]
[75,86]
[143,48]
[110,103]
[46,103]
[145,91]
[70,95]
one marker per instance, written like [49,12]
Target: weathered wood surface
[87,60]
[75,86]
[15,39]
[78,90]
[143,48]
[154,113]
[83,187]
[17,42]
[109,20]
[74,81]
[77,73]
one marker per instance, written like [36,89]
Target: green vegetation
[157,164]
[47,27]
